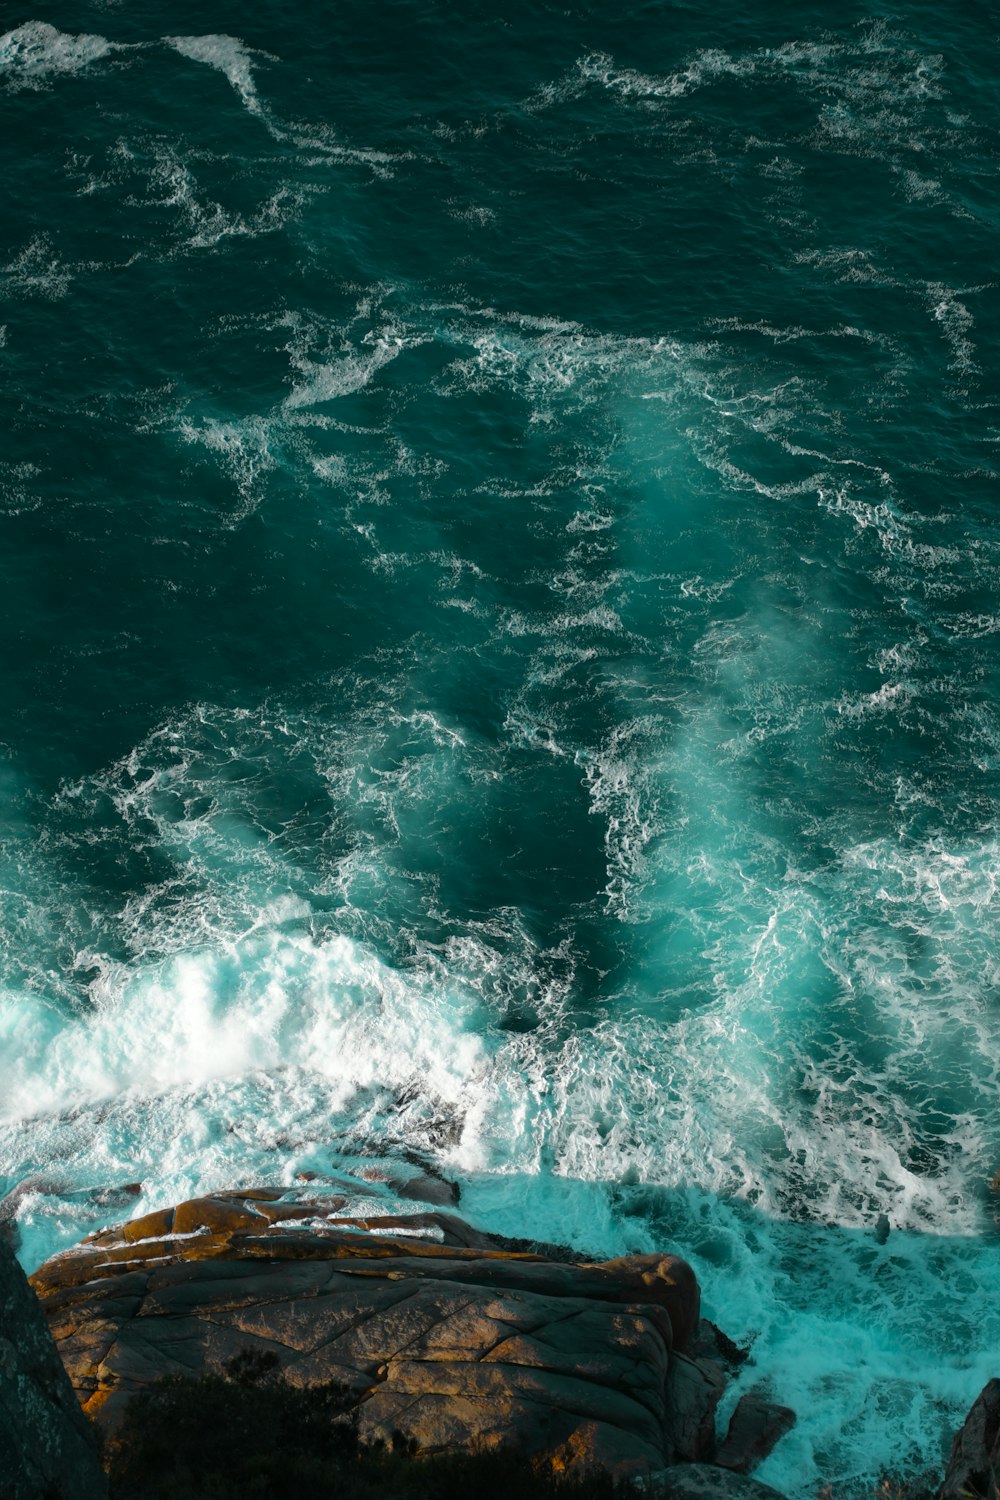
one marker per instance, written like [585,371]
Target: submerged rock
[438,1331]
[47,1446]
[429,1187]
[10,1206]
[115,1197]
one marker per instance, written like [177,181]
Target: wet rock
[113,1197]
[694,1389]
[429,1188]
[10,1206]
[437,1330]
[974,1467]
[46,1443]
[711,1343]
[754,1428]
[703,1482]
[118,1197]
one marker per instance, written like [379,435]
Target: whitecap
[956,324]
[244,448]
[327,379]
[235,61]
[35,52]
[230,56]
[36,271]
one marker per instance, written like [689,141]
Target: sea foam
[32,54]
[229,56]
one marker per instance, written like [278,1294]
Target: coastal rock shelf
[454,1338]
[442,1333]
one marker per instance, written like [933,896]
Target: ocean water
[500,562]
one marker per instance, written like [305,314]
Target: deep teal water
[498,566]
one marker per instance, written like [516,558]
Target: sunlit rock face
[453,1337]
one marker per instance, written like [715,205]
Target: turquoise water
[499,578]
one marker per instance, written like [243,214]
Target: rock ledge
[439,1331]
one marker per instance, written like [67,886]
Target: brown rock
[666,1280]
[754,1428]
[216,1214]
[451,1340]
[149,1226]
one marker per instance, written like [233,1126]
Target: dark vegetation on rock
[438,1331]
[246,1433]
[254,1344]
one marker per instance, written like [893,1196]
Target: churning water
[499,555]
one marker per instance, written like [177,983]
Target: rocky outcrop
[974,1467]
[454,1338]
[694,1389]
[754,1428]
[47,1446]
[438,1331]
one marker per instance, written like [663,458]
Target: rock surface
[47,1446]
[694,1389]
[439,1333]
[704,1482]
[974,1467]
[754,1428]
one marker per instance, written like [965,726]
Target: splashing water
[500,579]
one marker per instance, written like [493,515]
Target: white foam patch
[849,69]
[235,61]
[245,449]
[229,56]
[343,374]
[32,54]
[36,271]
[956,323]
[204,223]
[327,361]
[272,1002]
